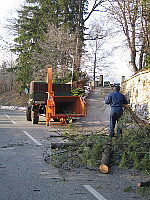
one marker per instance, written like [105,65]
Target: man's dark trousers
[115,114]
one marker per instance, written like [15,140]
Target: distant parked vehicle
[116,84]
[87,90]
[106,83]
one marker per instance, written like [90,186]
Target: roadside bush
[78,91]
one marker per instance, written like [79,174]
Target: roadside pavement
[98,112]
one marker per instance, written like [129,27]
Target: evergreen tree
[27,43]
[32,25]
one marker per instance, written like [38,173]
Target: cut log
[55,145]
[142,184]
[64,145]
[104,167]
[135,117]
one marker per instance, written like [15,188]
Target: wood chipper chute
[63,107]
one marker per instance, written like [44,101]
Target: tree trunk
[64,145]
[132,62]
[141,55]
[135,117]
[55,145]
[104,167]
[142,184]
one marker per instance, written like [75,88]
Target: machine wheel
[35,117]
[67,121]
[56,120]
[28,114]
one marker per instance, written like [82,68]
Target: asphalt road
[24,175]
[98,112]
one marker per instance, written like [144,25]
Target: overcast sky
[7,9]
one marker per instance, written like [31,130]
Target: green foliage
[144,192]
[24,76]
[56,79]
[134,145]
[88,153]
[31,28]
[127,189]
[148,60]
[91,155]
[67,78]
[12,145]
[78,91]
[131,150]
[62,80]
[123,161]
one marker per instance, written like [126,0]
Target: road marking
[6,115]
[94,192]
[32,138]
[13,122]
[9,117]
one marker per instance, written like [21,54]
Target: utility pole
[95,58]
[72,56]
[78,40]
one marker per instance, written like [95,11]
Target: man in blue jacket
[116,101]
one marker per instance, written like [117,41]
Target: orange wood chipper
[63,107]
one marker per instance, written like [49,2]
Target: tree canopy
[133,18]
[32,26]
[52,32]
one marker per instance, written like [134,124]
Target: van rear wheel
[28,114]
[35,117]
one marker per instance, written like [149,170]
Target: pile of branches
[80,150]
[130,150]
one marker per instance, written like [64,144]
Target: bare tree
[7,78]
[96,54]
[97,34]
[130,17]
[145,23]
[81,26]
[57,49]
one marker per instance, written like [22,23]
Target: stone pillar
[101,80]
[122,79]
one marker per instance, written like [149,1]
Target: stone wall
[137,91]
